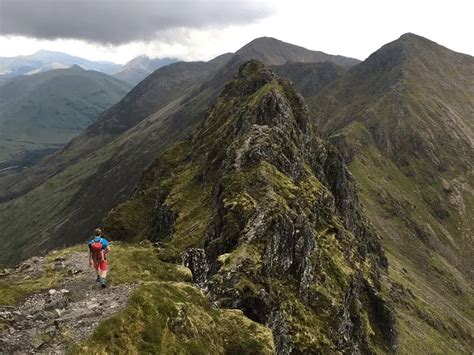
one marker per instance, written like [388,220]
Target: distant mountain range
[132,72]
[270,50]
[45,110]
[46,60]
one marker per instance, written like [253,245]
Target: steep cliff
[267,217]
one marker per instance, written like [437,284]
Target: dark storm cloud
[122,21]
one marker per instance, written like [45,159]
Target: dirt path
[47,321]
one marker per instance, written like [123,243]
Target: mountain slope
[140,67]
[99,168]
[46,60]
[310,78]
[266,216]
[168,84]
[404,118]
[48,109]
[272,51]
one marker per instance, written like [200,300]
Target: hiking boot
[97,279]
[103,283]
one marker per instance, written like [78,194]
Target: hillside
[310,78]
[404,119]
[47,110]
[272,51]
[140,67]
[99,168]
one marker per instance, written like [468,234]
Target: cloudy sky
[119,30]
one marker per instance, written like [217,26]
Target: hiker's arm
[89,252]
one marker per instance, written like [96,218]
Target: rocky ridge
[266,215]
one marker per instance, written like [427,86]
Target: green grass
[131,263]
[176,318]
[13,292]
[431,317]
[128,263]
[16,287]
[168,314]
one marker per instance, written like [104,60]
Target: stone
[36,343]
[56,303]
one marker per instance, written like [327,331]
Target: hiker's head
[98,232]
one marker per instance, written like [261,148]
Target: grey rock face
[284,238]
[195,260]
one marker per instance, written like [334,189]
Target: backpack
[96,249]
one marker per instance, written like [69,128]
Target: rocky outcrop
[267,217]
[55,319]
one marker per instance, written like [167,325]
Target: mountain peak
[415,44]
[272,51]
[264,39]
[76,67]
[411,36]
[41,51]
[44,54]
[411,40]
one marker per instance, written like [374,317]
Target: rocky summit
[266,216]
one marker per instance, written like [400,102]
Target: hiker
[98,250]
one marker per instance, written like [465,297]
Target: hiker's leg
[97,271]
[104,268]
[103,272]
